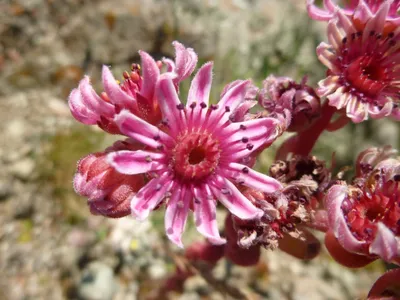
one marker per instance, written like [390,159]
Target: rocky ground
[50,246]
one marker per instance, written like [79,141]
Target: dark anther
[379,36]
[242,127]
[392,43]
[396,177]
[245,170]
[344,40]
[250,146]
[203,105]
[227,109]
[353,36]
[214,106]
[180,106]
[156,138]
[245,139]
[359,33]
[371,33]
[193,105]
[391,34]
[160,147]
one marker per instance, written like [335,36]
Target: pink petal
[226,192]
[327,57]
[334,199]
[253,179]
[201,85]
[150,196]
[176,214]
[384,111]
[115,93]
[170,105]
[93,101]
[316,13]
[205,213]
[151,73]
[140,130]
[385,243]
[228,103]
[135,162]
[327,86]
[339,98]
[356,110]
[185,61]
[170,64]
[257,132]
[79,110]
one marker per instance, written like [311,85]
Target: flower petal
[185,61]
[151,73]
[334,199]
[201,85]
[79,110]
[148,197]
[115,93]
[226,192]
[93,101]
[176,214]
[171,106]
[253,179]
[135,162]
[385,243]
[205,213]
[140,130]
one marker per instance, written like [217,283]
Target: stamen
[180,106]
[245,139]
[203,105]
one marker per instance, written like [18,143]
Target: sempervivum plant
[188,154]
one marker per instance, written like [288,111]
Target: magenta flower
[368,7]
[365,217]
[199,158]
[135,93]
[363,60]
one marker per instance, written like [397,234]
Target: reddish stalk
[304,141]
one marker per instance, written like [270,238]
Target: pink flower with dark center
[198,159]
[369,7]
[283,93]
[135,93]
[365,216]
[363,62]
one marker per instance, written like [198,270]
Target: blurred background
[50,245]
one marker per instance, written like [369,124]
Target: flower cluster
[188,154]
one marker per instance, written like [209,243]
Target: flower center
[195,156]
[366,75]
[362,214]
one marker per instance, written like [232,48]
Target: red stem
[304,141]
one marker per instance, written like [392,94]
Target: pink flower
[198,159]
[368,7]
[108,192]
[283,93]
[365,217]
[135,93]
[363,62]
